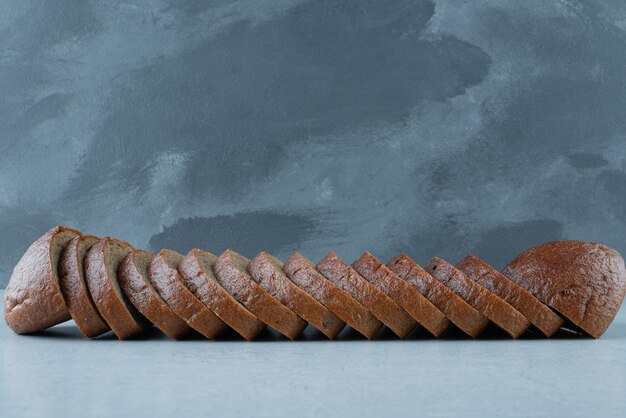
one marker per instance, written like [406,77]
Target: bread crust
[377,301]
[302,272]
[541,316]
[101,264]
[33,300]
[136,285]
[490,305]
[267,271]
[230,271]
[203,284]
[583,281]
[166,279]
[74,287]
[405,295]
[460,313]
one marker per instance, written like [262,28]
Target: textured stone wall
[429,128]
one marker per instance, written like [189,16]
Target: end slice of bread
[33,300]
[585,282]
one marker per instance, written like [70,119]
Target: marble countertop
[60,373]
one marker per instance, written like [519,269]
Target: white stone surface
[61,374]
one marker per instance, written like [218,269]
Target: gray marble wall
[433,128]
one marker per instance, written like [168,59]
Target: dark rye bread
[135,283]
[541,316]
[303,273]
[494,308]
[196,269]
[33,300]
[459,312]
[583,281]
[405,295]
[230,269]
[267,271]
[164,275]
[379,304]
[101,263]
[74,287]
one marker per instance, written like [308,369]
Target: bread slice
[459,312]
[33,300]
[542,317]
[135,283]
[302,272]
[230,269]
[405,295]
[74,287]
[583,281]
[196,269]
[497,310]
[164,275]
[101,264]
[377,301]
[267,271]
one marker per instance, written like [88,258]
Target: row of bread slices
[105,284]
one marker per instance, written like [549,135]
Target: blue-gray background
[433,128]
